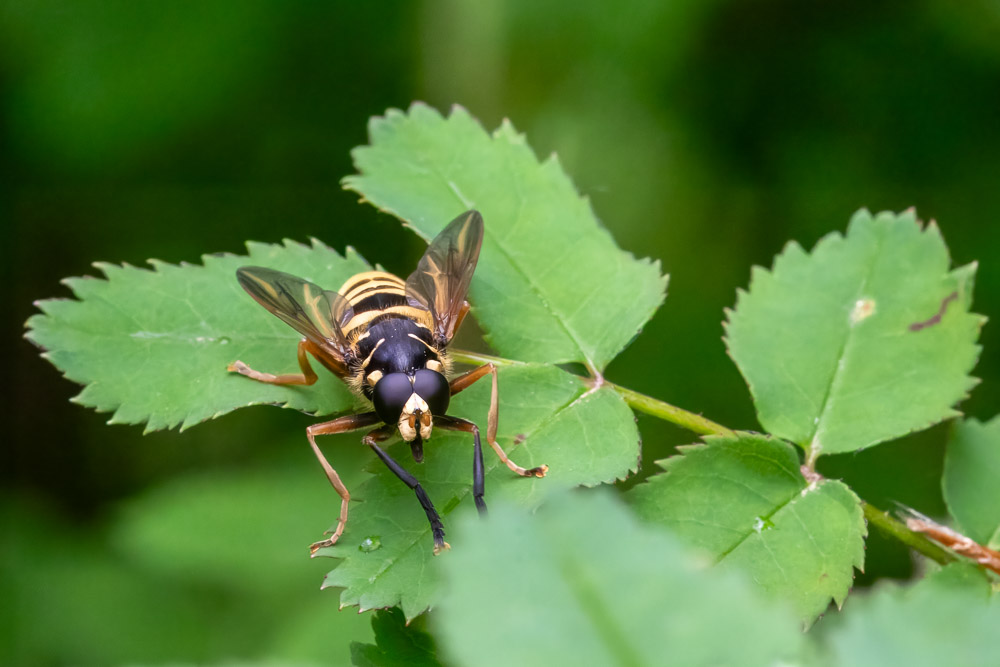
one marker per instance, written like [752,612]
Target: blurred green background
[707,133]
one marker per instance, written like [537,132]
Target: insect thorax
[395,344]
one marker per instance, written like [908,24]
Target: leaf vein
[751,531]
[837,378]
[559,318]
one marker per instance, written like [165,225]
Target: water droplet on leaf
[370,543]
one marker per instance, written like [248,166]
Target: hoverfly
[387,339]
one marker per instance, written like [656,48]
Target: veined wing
[441,280]
[317,314]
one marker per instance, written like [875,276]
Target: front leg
[466,379]
[478,475]
[437,528]
[339,425]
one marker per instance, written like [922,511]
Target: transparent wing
[442,277]
[317,314]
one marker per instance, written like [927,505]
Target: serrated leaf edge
[965,275]
[158,268]
[505,131]
[857,559]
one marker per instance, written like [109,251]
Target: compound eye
[390,395]
[433,388]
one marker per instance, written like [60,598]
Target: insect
[387,339]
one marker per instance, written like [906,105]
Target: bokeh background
[706,133]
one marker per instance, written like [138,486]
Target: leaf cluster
[868,337]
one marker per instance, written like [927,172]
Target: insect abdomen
[373,294]
[368,281]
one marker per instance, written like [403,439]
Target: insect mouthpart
[416,419]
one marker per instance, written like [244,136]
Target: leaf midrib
[587,360]
[746,535]
[838,368]
[589,602]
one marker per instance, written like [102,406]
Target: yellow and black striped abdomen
[374,294]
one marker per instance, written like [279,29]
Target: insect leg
[308,376]
[463,381]
[437,530]
[338,425]
[478,481]
[462,312]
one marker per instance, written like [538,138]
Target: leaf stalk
[896,529]
[670,413]
[693,422]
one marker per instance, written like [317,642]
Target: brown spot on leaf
[917,326]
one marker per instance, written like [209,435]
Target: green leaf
[971,474]
[868,338]
[546,262]
[933,623]
[962,574]
[744,501]
[581,582]
[396,643]
[153,345]
[547,416]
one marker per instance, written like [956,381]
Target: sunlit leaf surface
[546,261]
[744,501]
[153,345]
[863,340]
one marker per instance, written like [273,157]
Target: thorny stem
[696,423]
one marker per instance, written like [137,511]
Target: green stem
[670,413]
[478,359]
[897,529]
[694,422]
[881,520]
[635,400]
